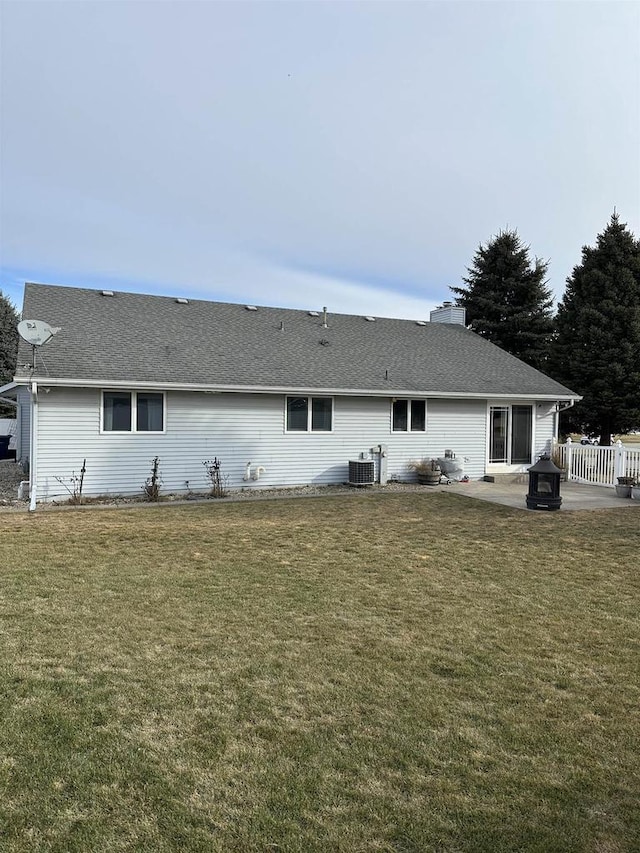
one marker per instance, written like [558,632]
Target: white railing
[599,466]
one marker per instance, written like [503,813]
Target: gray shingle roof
[137,338]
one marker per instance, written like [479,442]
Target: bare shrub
[153,483]
[216,478]
[74,484]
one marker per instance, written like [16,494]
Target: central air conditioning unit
[361,472]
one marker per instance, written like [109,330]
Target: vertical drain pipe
[33,450]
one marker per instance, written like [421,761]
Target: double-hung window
[409,416]
[309,414]
[132,411]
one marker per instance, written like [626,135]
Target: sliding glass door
[510,435]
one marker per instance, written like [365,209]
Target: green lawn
[389,673]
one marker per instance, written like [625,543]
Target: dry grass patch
[396,673]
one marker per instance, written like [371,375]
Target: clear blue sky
[352,155]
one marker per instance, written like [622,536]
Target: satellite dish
[35,332]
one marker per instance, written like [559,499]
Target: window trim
[134,412]
[408,430]
[309,398]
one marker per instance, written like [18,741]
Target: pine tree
[8,349]
[597,350]
[507,299]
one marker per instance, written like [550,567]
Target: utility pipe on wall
[259,470]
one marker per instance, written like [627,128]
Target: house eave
[9,391]
[68,382]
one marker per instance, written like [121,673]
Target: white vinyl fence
[599,466]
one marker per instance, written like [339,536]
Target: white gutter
[107,384]
[33,450]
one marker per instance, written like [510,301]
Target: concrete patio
[575,496]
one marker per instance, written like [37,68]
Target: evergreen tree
[8,349]
[597,350]
[507,299]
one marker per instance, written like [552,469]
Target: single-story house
[281,397]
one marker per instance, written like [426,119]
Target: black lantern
[544,485]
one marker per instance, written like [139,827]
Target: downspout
[561,408]
[33,450]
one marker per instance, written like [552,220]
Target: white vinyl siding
[460,426]
[544,423]
[238,429]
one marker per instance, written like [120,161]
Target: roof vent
[370,319]
[182,301]
[313,313]
[107,292]
[421,322]
[251,307]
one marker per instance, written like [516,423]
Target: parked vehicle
[588,440]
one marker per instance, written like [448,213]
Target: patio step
[521,478]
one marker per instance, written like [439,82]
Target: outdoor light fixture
[544,485]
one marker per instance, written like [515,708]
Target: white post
[568,458]
[619,461]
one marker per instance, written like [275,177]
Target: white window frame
[309,398]
[134,413]
[408,430]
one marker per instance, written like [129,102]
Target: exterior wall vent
[449,313]
[361,472]
[251,307]
[182,301]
